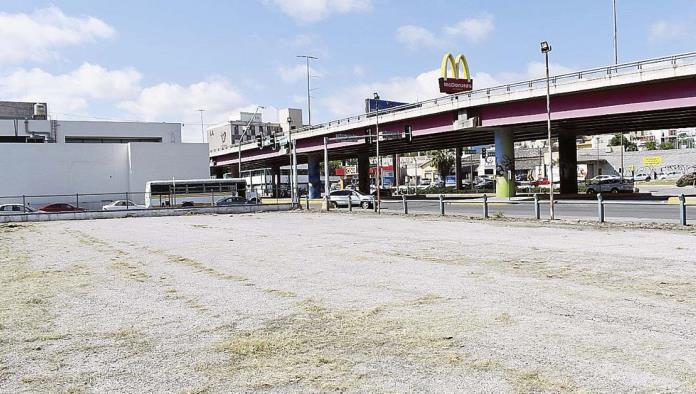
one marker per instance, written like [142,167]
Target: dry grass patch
[319,349]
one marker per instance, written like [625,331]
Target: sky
[162,60]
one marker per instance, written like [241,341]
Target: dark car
[231,201]
[60,207]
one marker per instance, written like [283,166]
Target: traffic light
[408,133]
[272,141]
[483,153]
[259,141]
[368,136]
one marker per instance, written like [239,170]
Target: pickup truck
[611,185]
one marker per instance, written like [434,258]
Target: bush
[687,180]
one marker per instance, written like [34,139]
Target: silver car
[340,198]
[11,209]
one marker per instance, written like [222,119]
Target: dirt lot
[336,302]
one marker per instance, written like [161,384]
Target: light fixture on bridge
[376,96]
[545,47]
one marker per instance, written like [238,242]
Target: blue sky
[163,60]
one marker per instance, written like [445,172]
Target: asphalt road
[625,211]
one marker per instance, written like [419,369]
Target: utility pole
[202,131]
[309,100]
[545,49]
[616,62]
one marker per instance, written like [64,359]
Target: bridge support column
[458,168]
[314,176]
[364,172]
[396,170]
[505,163]
[275,180]
[568,162]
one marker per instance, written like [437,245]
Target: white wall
[39,169]
[169,132]
[149,162]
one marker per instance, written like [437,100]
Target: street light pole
[545,49]
[202,132]
[241,138]
[309,100]
[379,161]
[616,62]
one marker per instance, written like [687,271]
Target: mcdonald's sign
[458,82]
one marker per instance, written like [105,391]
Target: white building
[39,157]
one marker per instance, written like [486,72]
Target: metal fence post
[403,199]
[24,203]
[127,201]
[212,197]
[600,207]
[537,212]
[485,206]
[682,209]
[307,199]
[328,203]
[442,205]
[77,200]
[350,203]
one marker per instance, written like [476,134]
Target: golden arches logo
[457,82]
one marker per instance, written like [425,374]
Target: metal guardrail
[673,61]
[94,202]
[600,203]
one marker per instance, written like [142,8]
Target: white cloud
[350,101]
[664,31]
[414,37]
[36,36]
[70,92]
[472,30]
[308,11]
[294,73]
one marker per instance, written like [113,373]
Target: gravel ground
[309,302]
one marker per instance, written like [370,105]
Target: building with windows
[223,136]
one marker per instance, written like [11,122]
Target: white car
[11,209]
[599,178]
[670,175]
[120,205]
[339,198]
[642,176]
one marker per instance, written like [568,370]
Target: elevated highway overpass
[643,95]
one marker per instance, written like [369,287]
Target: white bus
[193,192]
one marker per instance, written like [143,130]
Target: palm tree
[443,161]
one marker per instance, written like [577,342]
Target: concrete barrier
[47,217]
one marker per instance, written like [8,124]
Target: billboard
[458,82]
[372,105]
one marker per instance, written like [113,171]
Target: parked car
[11,209]
[599,178]
[485,184]
[60,207]
[339,198]
[642,177]
[233,201]
[119,205]
[539,181]
[670,175]
[610,185]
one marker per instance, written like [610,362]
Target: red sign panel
[454,85]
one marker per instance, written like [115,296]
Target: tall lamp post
[545,49]
[616,61]
[379,161]
[241,138]
[309,100]
[202,132]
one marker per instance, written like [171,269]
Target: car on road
[11,209]
[610,185]
[599,178]
[642,177]
[60,207]
[340,198]
[539,181]
[234,201]
[670,175]
[485,184]
[120,205]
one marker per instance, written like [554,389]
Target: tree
[443,161]
[616,140]
[667,145]
[651,145]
